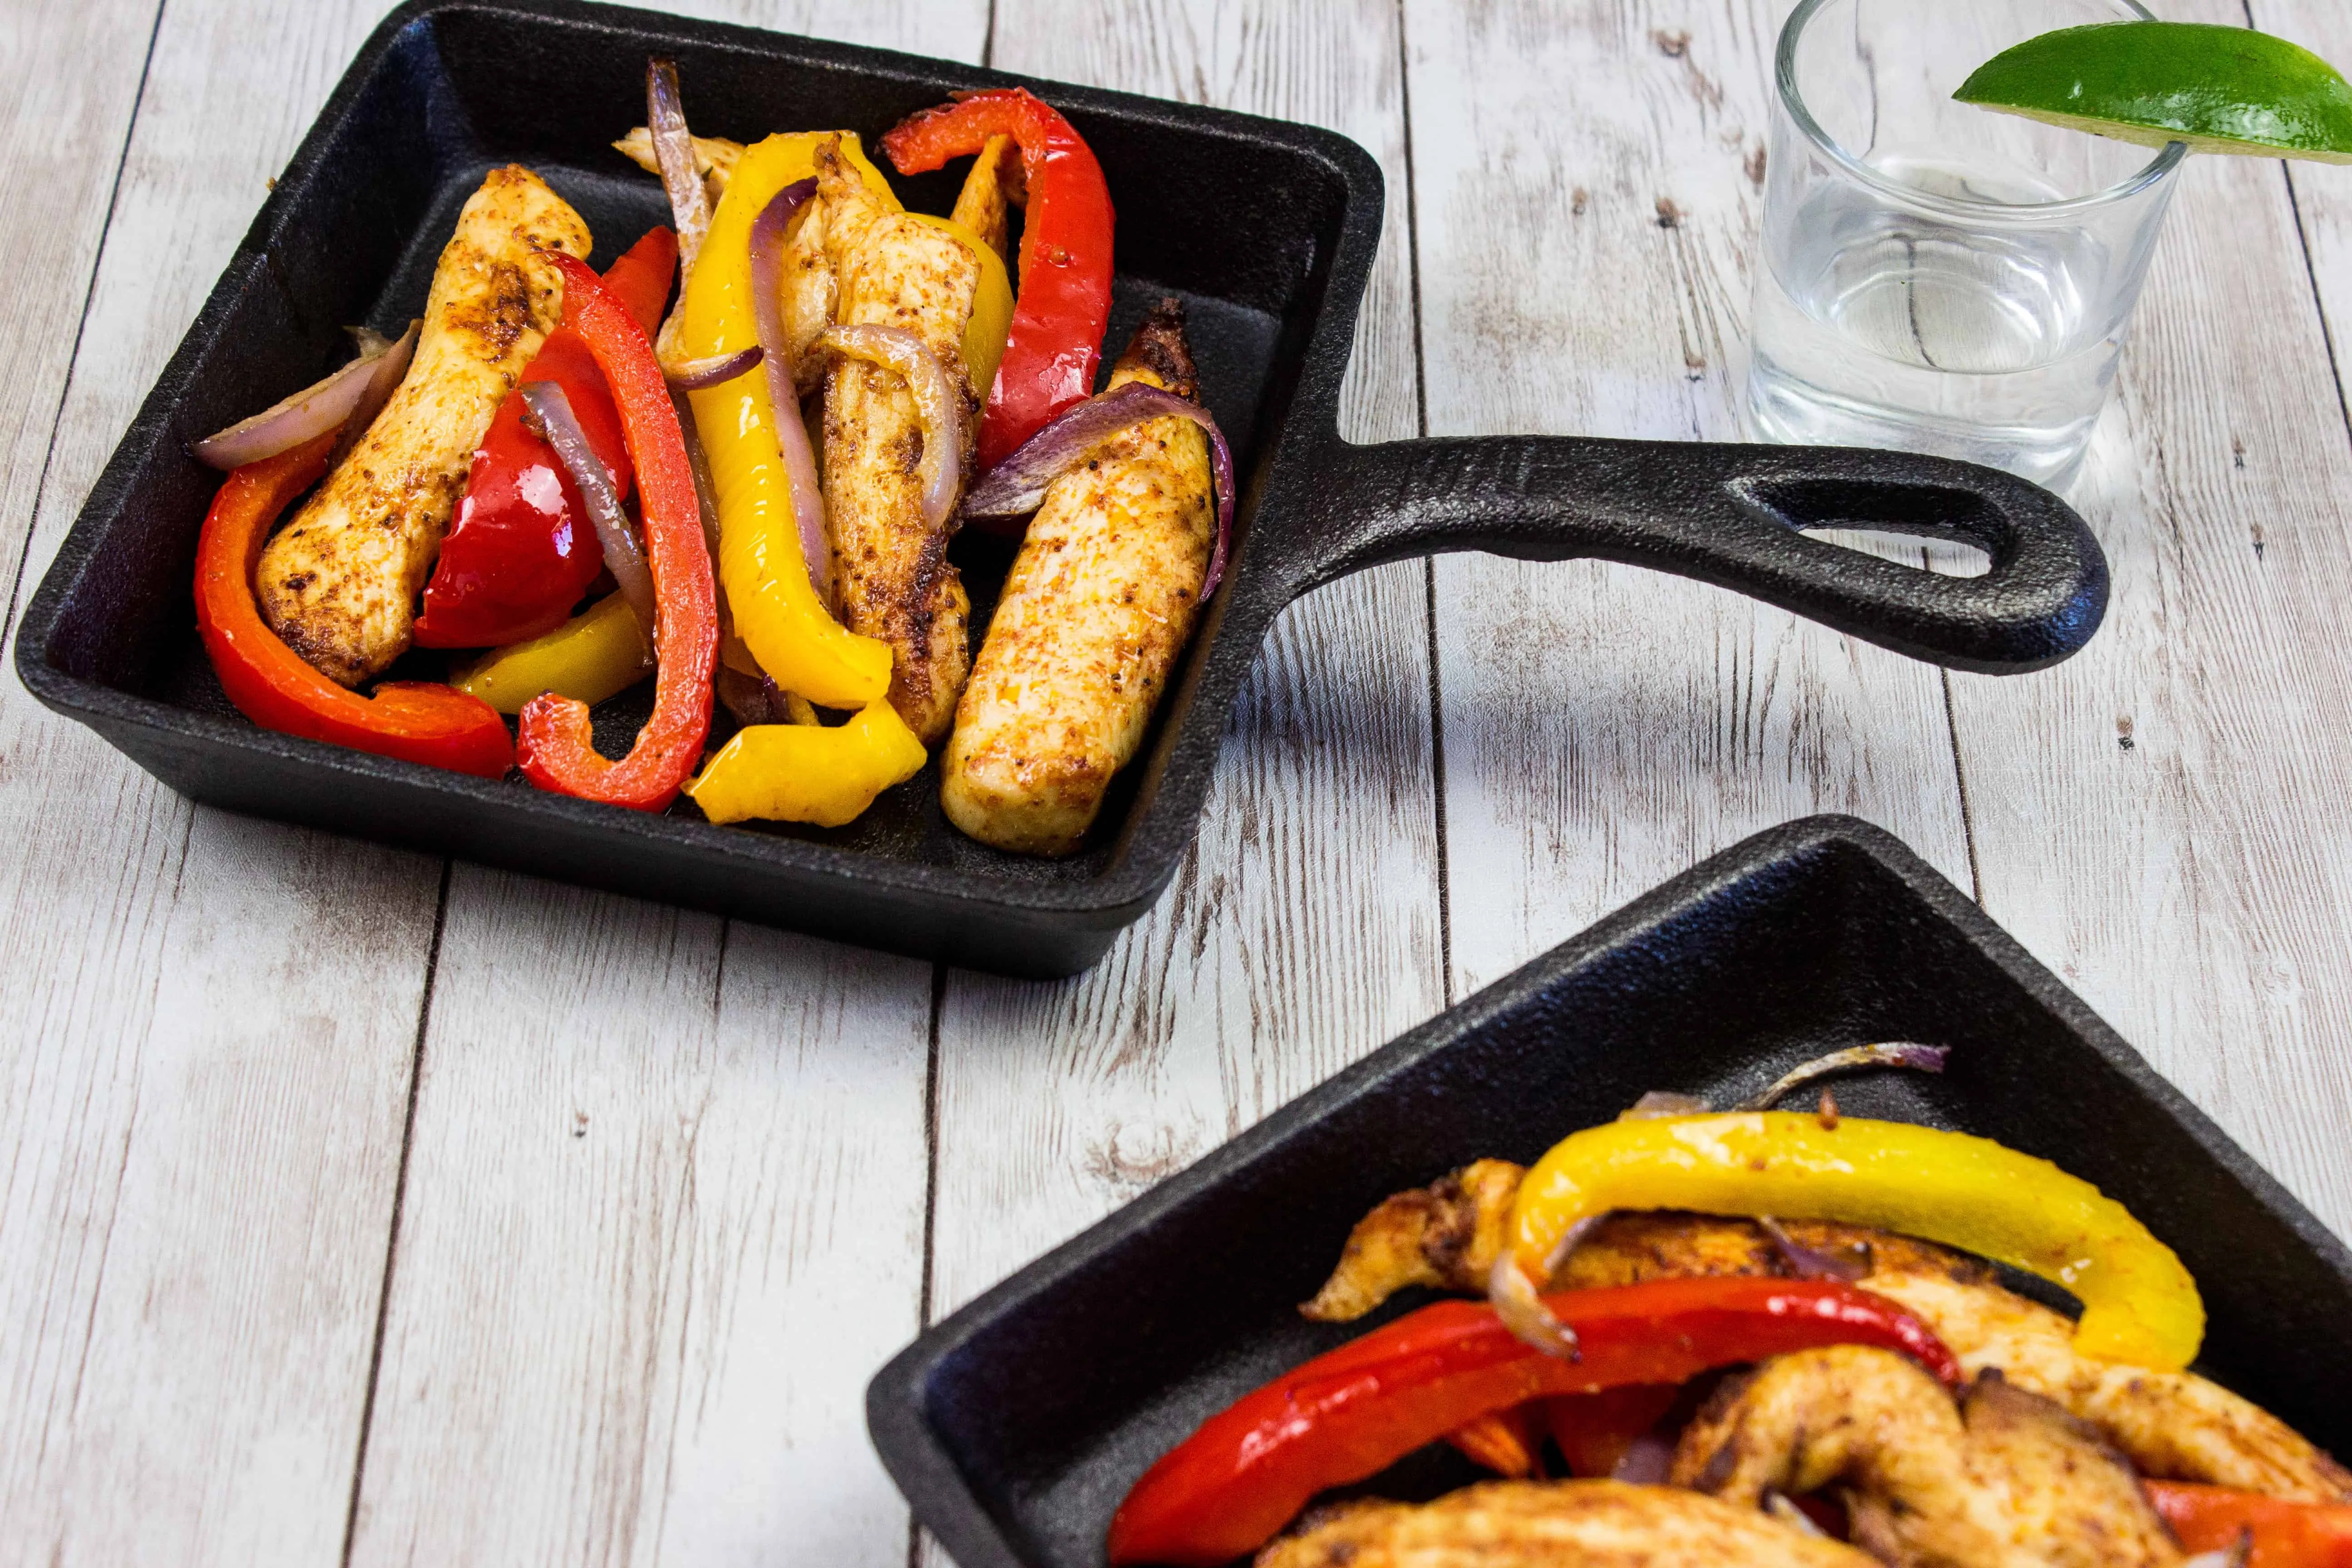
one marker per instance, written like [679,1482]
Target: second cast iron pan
[1266,229]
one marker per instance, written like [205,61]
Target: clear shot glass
[1937,278]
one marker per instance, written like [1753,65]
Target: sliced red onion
[1813,1262]
[1647,1461]
[1891,1054]
[1517,1301]
[698,461]
[938,405]
[746,697]
[1662,1103]
[712,370]
[690,203]
[1018,484]
[553,422]
[392,359]
[2235,1555]
[317,409]
[1778,1505]
[792,434]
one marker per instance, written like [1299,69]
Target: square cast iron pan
[1266,230]
[1016,1425]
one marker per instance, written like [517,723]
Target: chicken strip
[340,582]
[1098,604]
[996,182]
[2174,1425]
[1445,1236]
[890,568]
[1540,1524]
[2004,1479]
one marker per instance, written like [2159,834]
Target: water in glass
[1943,285]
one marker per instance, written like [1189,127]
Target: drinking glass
[1937,277]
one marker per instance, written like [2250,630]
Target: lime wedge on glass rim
[2219,90]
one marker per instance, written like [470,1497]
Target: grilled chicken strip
[1445,1236]
[2003,1479]
[1539,1524]
[2173,1425]
[890,569]
[995,184]
[1098,606]
[340,582]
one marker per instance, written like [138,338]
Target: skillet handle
[1731,515]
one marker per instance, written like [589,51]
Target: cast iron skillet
[1266,229]
[1015,1427]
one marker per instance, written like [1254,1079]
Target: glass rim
[1784,74]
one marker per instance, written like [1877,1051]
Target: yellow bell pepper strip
[2139,1305]
[805,773]
[774,605]
[599,653]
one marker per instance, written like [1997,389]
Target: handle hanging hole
[1945,557]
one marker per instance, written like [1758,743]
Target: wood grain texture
[61,142]
[665,1205]
[1304,927]
[1591,195]
[2161,819]
[663,1217]
[211,1020]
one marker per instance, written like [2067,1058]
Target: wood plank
[213,1020]
[69,75]
[1587,257]
[2323,192]
[664,1217]
[1304,929]
[2161,819]
[665,1207]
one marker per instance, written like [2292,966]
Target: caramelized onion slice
[938,405]
[1889,1054]
[689,203]
[552,421]
[712,370]
[1018,484]
[317,409]
[791,432]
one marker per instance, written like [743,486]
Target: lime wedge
[2220,89]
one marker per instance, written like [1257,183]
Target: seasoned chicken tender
[1096,609]
[1446,1236]
[995,184]
[2003,1479]
[2174,1425]
[340,582]
[890,569]
[810,295]
[1553,1524]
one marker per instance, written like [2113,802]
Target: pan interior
[1234,225]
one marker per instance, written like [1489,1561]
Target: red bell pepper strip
[417,721]
[553,747]
[521,551]
[1065,254]
[1226,1489]
[2287,1534]
[1507,1442]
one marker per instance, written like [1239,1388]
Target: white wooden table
[360,1207]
